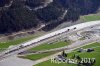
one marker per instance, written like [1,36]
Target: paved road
[80,26]
[15,61]
[67,51]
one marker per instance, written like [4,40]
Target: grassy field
[45,47]
[37,56]
[51,46]
[91,17]
[15,42]
[49,63]
[94,54]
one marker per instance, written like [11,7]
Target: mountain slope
[16,15]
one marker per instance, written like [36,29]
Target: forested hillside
[16,15]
